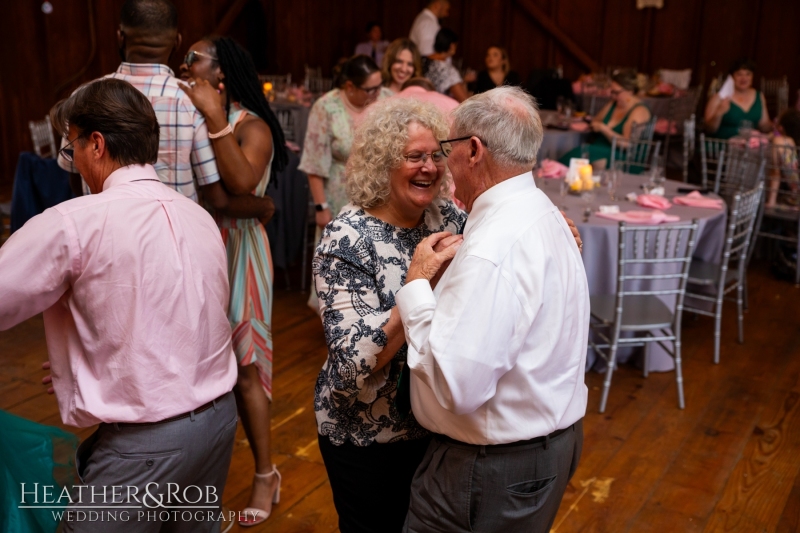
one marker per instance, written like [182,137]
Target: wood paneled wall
[46,56]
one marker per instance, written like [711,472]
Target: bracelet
[222,133]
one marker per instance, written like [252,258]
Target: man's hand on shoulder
[431,254]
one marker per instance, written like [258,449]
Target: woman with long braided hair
[249,145]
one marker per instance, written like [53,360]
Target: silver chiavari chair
[776,95]
[44,142]
[286,120]
[781,201]
[720,277]
[645,130]
[713,154]
[634,156]
[741,170]
[280,82]
[652,263]
[689,138]
[319,85]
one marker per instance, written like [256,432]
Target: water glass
[563,191]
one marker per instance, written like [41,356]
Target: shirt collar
[428,13]
[128,174]
[144,69]
[496,196]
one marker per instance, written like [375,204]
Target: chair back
[679,78]
[712,152]
[280,83]
[743,215]
[654,261]
[645,130]
[689,138]
[319,85]
[782,174]
[634,155]
[742,169]
[286,120]
[776,94]
[44,143]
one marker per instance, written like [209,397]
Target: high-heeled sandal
[260,514]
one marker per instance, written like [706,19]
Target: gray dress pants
[165,477]
[507,489]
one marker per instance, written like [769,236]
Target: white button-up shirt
[424,30]
[497,352]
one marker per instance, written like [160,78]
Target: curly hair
[378,148]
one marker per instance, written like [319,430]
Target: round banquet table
[600,244]
[557,142]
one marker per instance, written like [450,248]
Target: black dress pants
[371,484]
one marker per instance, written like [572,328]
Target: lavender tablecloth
[600,238]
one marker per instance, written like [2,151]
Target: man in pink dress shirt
[133,284]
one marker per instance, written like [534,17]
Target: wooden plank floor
[728,462]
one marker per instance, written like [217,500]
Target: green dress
[732,120]
[600,147]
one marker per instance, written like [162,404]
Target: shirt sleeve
[317,156]
[352,315]
[461,343]
[204,165]
[37,264]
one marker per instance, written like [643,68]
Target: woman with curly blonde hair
[399,194]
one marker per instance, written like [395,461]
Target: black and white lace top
[359,265]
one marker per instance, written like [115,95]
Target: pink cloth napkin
[653,200]
[551,169]
[695,199]
[579,126]
[641,217]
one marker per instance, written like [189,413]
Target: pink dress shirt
[133,283]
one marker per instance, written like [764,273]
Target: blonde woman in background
[400,63]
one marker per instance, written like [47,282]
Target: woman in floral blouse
[330,133]
[398,194]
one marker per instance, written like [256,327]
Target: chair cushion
[639,313]
[703,273]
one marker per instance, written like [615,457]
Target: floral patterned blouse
[329,136]
[360,264]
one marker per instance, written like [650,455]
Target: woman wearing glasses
[248,145]
[398,194]
[329,135]
[615,119]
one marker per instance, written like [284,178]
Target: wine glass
[611,179]
[588,198]
[563,191]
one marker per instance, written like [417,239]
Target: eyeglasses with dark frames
[447,146]
[194,56]
[371,90]
[69,153]
[419,159]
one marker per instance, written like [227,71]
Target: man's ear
[178,41]
[98,143]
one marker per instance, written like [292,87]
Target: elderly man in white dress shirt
[497,351]
[426,25]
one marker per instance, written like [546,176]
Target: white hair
[507,120]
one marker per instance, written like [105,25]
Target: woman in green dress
[724,116]
[615,119]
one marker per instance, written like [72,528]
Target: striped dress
[250,274]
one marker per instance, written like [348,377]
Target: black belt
[489,447]
[204,407]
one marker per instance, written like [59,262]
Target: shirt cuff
[412,295]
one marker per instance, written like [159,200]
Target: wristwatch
[321,207]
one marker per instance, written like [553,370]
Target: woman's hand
[427,262]
[723,107]
[323,217]
[575,233]
[206,99]
[441,246]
